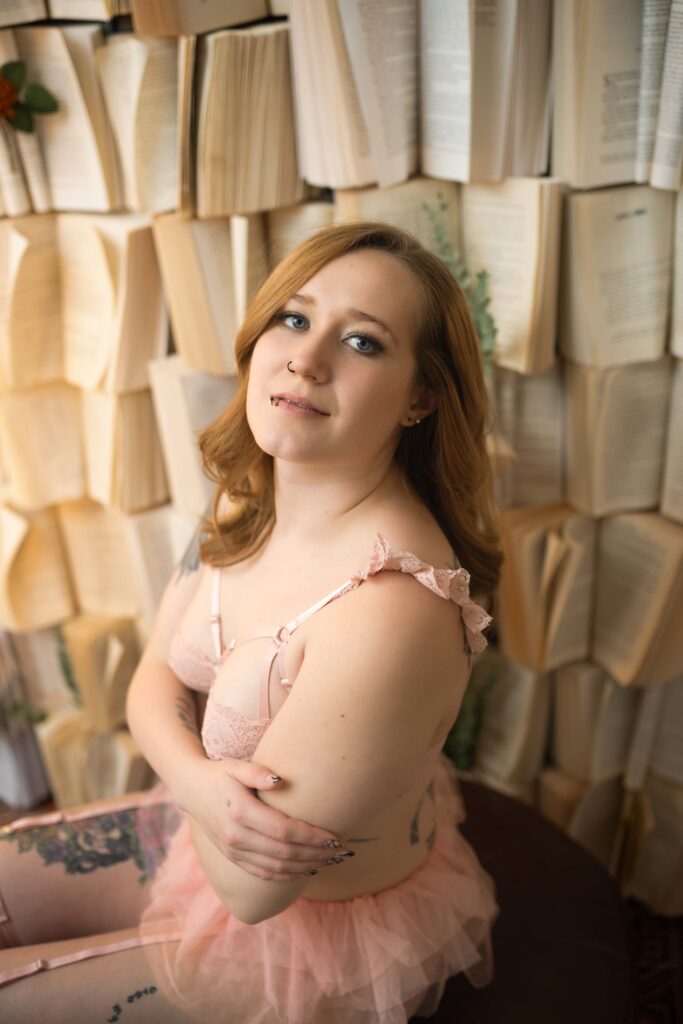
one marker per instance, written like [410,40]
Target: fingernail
[275,778]
[313,872]
[348,853]
[332,842]
[335,860]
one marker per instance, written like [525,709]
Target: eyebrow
[357,314]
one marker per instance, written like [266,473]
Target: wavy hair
[444,457]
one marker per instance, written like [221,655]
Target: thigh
[103,989]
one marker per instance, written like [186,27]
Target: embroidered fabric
[226,732]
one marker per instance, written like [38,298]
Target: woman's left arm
[382,667]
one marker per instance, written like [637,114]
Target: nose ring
[289,367]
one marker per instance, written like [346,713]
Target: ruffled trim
[451,584]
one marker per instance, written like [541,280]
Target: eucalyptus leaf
[23,118]
[15,72]
[40,100]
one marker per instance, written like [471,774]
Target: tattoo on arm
[187,713]
[189,563]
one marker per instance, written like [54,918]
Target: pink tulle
[355,961]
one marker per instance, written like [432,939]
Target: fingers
[265,866]
[248,844]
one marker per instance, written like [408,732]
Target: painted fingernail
[348,853]
[313,872]
[275,778]
[332,842]
[335,860]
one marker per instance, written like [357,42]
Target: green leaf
[23,118]
[15,72]
[40,100]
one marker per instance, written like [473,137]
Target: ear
[423,402]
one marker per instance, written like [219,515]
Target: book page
[30,308]
[493,60]
[629,434]
[672,484]
[425,207]
[13,12]
[676,331]
[88,280]
[501,228]
[187,52]
[382,46]
[654,28]
[42,472]
[530,414]
[638,561]
[446,63]
[666,759]
[616,275]
[156,540]
[249,259]
[667,159]
[570,603]
[289,226]
[608,54]
[36,591]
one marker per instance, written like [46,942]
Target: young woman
[319,875]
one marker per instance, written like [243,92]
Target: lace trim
[451,584]
[241,737]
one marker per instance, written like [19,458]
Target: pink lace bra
[226,732]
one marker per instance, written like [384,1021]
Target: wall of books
[196,144]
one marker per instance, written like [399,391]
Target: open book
[211,269]
[114,317]
[139,78]
[36,590]
[639,599]
[460,90]
[290,225]
[43,661]
[593,723]
[512,230]
[596,76]
[671,504]
[14,12]
[529,412]
[425,207]
[124,463]
[88,10]
[30,303]
[676,337]
[546,585]
[185,401]
[659,151]
[616,435]
[246,158]
[616,275]
[590,814]
[62,58]
[24,186]
[103,653]
[41,445]
[187,17]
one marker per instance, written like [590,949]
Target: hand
[261,840]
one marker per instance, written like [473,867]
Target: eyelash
[282,316]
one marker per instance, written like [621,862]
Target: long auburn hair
[444,457]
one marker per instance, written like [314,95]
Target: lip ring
[296,400]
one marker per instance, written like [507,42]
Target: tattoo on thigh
[117,1009]
[187,713]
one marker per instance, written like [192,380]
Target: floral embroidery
[102,841]
[228,733]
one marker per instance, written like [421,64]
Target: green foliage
[20,712]
[461,742]
[36,99]
[475,290]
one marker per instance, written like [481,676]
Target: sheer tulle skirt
[357,961]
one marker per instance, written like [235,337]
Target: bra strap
[215,617]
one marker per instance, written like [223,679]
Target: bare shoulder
[178,595]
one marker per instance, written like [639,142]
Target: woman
[333,634]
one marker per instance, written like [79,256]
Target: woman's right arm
[219,795]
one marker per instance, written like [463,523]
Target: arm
[218,795]
[402,670]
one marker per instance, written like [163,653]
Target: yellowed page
[290,225]
[41,431]
[656,878]
[156,540]
[446,67]
[28,144]
[570,615]
[614,303]
[655,21]
[249,260]
[667,158]
[676,331]
[382,47]
[62,60]
[672,485]
[13,12]
[36,587]
[639,560]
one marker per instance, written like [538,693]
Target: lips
[287,396]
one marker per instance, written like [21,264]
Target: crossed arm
[377,678]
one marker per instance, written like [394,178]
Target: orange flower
[8,97]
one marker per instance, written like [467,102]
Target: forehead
[372,281]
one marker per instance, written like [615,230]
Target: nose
[311,357]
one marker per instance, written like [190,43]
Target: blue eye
[374,350]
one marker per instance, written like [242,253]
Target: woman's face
[357,371]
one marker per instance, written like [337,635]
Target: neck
[311,506]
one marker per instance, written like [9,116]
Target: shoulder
[186,583]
